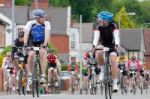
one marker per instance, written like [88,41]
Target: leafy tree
[62,3]
[23,2]
[125,21]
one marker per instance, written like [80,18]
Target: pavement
[68,95]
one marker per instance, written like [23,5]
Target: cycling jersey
[120,61]
[106,36]
[134,65]
[73,67]
[34,27]
[52,59]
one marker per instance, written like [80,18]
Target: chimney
[43,4]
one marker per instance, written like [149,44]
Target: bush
[1,60]
[64,67]
[5,50]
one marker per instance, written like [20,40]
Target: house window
[2,35]
[73,41]
[20,29]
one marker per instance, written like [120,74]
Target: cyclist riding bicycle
[37,34]
[106,34]
[133,65]
[7,65]
[53,64]
[122,62]
[88,57]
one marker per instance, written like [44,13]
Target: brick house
[147,48]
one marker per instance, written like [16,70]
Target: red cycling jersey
[134,64]
[52,59]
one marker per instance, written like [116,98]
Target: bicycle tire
[19,82]
[101,88]
[121,85]
[37,88]
[33,80]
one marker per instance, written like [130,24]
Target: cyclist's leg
[100,59]
[30,62]
[114,68]
[43,62]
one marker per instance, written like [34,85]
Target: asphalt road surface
[65,95]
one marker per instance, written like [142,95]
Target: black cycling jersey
[107,36]
[18,43]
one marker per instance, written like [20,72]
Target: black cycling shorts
[52,65]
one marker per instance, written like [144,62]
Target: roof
[58,18]
[87,31]
[131,39]
[21,16]
[147,41]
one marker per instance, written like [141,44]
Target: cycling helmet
[21,34]
[121,53]
[105,15]
[38,13]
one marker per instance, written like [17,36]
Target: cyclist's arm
[96,37]
[47,32]
[68,67]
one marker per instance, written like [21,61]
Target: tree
[60,3]
[23,2]
[125,20]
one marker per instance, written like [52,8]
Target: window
[2,35]
[20,29]
[73,41]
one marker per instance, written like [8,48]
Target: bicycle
[122,80]
[22,79]
[36,71]
[54,86]
[9,82]
[133,80]
[107,73]
[74,84]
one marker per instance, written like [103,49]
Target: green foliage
[5,50]
[1,60]
[23,2]
[125,21]
[60,3]
[3,53]
[64,67]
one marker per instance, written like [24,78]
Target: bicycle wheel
[121,85]
[33,80]
[19,82]
[37,88]
[101,88]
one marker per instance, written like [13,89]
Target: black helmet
[21,34]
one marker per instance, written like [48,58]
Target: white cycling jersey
[30,23]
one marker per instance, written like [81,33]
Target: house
[85,36]
[133,43]
[147,48]
[20,21]
[3,24]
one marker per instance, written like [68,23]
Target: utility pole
[80,48]
[13,19]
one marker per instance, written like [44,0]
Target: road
[77,96]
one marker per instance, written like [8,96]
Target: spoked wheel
[121,85]
[33,88]
[101,88]
[37,88]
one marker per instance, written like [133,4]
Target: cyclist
[106,34]
[133,65]
[73,67]
[15,53]
[122,61]
[7,67]
[53,64]
[37,33]
[89,57]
